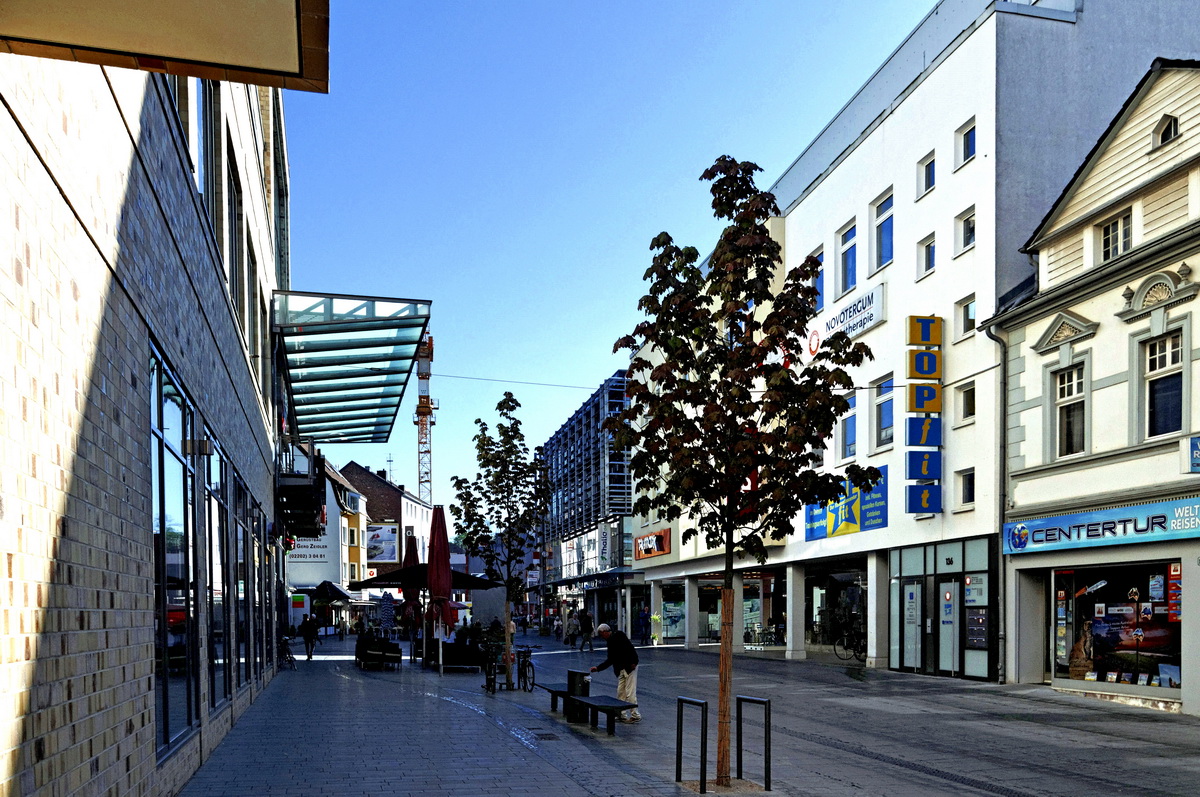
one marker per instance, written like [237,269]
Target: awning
[326,591]
[283,43]
[418,576]
[348,361]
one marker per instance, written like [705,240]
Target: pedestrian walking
[308,631]
[586,629]
[571,629]
[623,658]
[643,623]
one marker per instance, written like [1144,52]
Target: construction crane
[424,419]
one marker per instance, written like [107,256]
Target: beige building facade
[143,228]
[1103,454]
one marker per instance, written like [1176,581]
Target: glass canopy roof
[348,361]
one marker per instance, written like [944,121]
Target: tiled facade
[108,255]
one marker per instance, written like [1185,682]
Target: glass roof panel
[348,361]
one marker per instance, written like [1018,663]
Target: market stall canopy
[280,43]
[348,362]
[326,591]
[418,576]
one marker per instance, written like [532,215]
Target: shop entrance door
[912,630]
[949,627]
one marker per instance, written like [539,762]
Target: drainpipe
[1001,507]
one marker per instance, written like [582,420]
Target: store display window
[1119,624]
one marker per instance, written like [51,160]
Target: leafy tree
[727,422]
[499,511]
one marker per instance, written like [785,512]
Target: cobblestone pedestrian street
[332,729]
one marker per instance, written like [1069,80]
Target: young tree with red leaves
[727,424]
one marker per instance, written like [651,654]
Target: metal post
[703,705]
[766,704]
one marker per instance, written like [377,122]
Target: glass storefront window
[1118,624]
[949,558]
[976,554]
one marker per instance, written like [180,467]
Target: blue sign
[855,511]
[1194,453]
[922,465]
[923,499]
[1163,520]
[923,432]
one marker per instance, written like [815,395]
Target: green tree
[499,511]
[727,422]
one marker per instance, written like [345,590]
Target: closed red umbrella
[439,557]
[412,594]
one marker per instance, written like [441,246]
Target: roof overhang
[349,359]
[280,43]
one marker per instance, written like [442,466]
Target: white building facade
[917,198]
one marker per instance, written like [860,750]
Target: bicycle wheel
[489,673]
[843,648]
[527,677]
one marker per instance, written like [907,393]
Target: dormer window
[1166,130]
[1116,236]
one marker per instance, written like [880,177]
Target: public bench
[369,652]
[609,706]
[451,655]
[557,692]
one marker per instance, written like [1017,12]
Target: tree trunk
[724,686]
[508,649]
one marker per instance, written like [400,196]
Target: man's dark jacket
[622,656]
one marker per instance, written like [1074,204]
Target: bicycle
[492,666]
[286,659]
[851,644]
[525,672]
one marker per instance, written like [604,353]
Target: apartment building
[586,536]
[917,197]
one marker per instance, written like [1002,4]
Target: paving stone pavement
[332,729]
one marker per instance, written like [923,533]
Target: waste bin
[579,684]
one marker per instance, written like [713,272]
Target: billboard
[383,543]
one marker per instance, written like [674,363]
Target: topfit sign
[1164,520]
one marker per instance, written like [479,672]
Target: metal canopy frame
[349,359]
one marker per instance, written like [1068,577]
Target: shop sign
[656,543]
[855,511]
[1194,454]
[855,316]
[925,398]
[1163,520]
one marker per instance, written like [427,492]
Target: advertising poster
[856,511]
[383,543]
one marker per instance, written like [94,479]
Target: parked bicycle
[851,643]
[286,659]
[493,665]
[525,673]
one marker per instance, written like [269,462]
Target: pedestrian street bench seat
[451,655]
[377,653]
[609,706]
[557,692]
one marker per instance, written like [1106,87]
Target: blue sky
[512,161]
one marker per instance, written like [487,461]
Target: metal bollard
[766,704]
[703,705]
